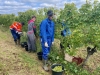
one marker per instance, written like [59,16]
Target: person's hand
[46,44]
[52,43]
[19,32]
[16,31]
[22,34]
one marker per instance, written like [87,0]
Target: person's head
[22,23]
[50,14]
[34,18]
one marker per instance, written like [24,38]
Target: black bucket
[39,54]
[57,73]
[26,47]
[23,44]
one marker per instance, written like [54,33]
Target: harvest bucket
[57,73]
[26,47]
[23,44]
[39,54]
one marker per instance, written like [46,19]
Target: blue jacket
[47,29]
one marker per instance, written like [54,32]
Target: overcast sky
[14,6]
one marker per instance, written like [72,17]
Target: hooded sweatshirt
[31,26]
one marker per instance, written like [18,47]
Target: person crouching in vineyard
[31,35]
[16,31]
[47,37]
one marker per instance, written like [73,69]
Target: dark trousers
[15,35]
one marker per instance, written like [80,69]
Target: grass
[5,32]
[3,69]
[33,64]
[28,60]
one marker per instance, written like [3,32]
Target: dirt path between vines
[14,60]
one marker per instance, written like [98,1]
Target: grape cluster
[57,69]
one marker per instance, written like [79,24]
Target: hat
[50,13]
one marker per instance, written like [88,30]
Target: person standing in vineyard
[47,37]
[16,30]
[31,35]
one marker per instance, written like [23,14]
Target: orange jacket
[17,26]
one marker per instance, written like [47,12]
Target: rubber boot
[18,41]
[48,62]
[45,67]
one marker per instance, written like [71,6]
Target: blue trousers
[46,50]
[15,35]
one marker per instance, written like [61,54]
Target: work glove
[52,43]
[16,31]
[46,44]
[19,33]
